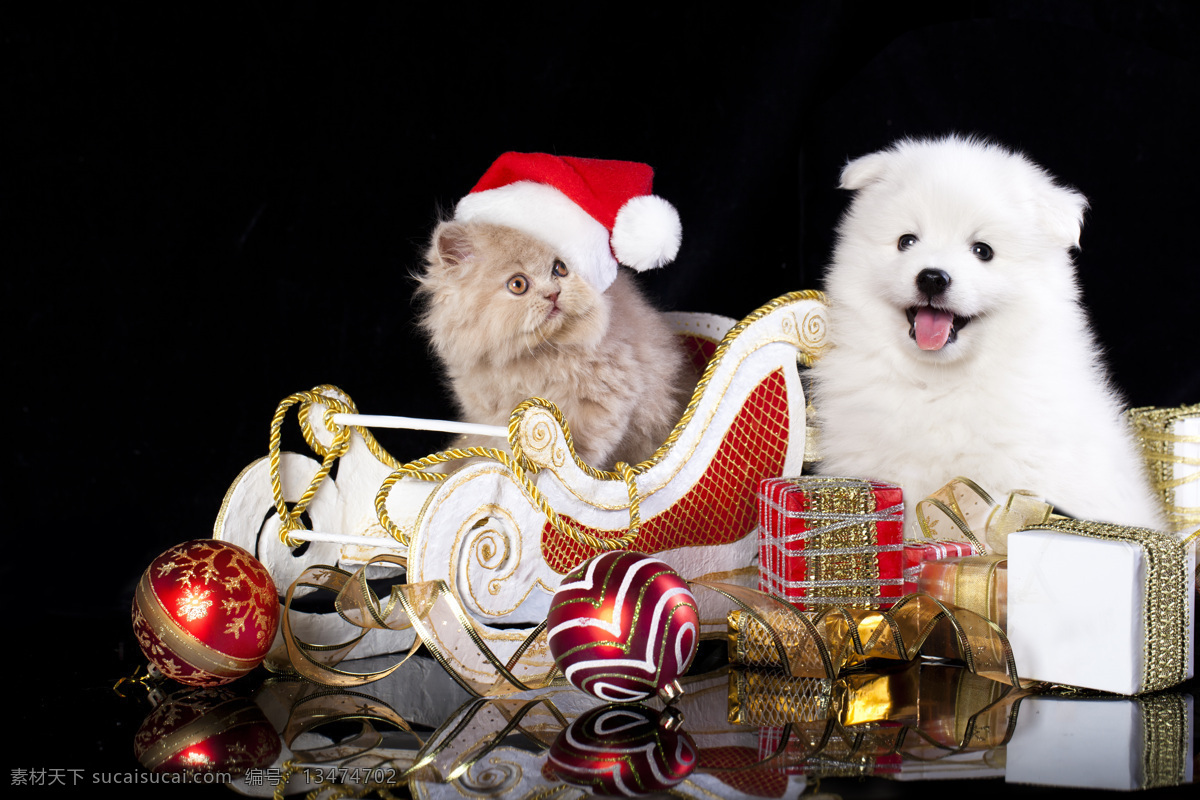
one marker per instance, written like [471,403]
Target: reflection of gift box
[961,710]
[976,583]
[1101,606]
[1103,743]
[917,553]
[828,541]
[938,765]
[1171,444]
[864,722]
[774,698]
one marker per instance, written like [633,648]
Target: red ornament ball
[206,731]
[623,626]
[623,750]
[205,612]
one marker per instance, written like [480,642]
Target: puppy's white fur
[1019,399]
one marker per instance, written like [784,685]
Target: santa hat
[595,213]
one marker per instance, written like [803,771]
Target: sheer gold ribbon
[976,587]
[963,511]
[766,632]
[422,607]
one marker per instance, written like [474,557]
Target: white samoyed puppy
[959,345]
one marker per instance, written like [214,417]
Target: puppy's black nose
[932,282]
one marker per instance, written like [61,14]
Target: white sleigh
[486,531]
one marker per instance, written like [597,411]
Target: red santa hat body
[594,212]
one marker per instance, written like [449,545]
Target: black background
[205,211]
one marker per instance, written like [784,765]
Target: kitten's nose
[552,297]
[932,282]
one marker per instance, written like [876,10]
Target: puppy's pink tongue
[932,326]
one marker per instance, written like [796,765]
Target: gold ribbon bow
[963,511]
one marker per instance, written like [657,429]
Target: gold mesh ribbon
[949,707]
[962,511]
[766,632]
[1160,445]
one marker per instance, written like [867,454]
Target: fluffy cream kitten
[508,319]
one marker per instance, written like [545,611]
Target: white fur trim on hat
[647,233]
[546,213]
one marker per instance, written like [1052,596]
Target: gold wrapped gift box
[1171,445]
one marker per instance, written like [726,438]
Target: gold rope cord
[290,519]
[518,463]
[1154,427]
[417,469]
[804,358]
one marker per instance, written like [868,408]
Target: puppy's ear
[1061,211]
[864,170]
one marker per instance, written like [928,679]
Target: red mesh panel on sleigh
[721,507]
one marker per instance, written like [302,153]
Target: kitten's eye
[982,251]
[559,269]
[906,241]
[518,284]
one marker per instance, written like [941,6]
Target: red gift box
[828,541]
[917,553]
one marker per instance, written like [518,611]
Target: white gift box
[1101,606]
[1109,743]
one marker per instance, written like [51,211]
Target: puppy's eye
[982,251]
[906,241]
[518,284]
[559,269]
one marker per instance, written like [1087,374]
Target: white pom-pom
[647,233]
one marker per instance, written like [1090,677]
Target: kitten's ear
[452,244]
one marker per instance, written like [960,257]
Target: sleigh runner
[501,531]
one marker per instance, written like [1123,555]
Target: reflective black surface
[75,729]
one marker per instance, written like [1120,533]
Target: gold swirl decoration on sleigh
[503,529]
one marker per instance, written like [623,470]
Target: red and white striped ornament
[623,626]
[624,750]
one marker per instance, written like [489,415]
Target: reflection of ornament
[206,731]
[205,612]
[623,626]
[623,750]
